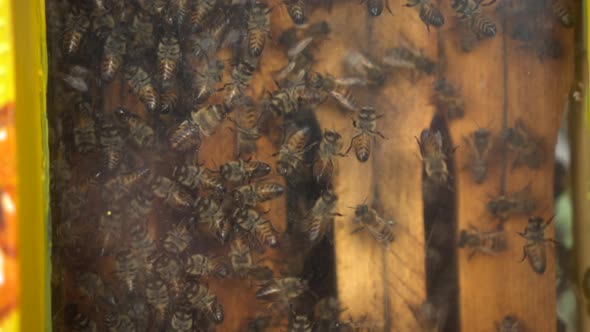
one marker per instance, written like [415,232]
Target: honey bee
[506,205]
[195,177]
[142,33]
[140,133]
[200,265]
[288,100]
[280,292]
[320,218]
[471,14]
[375,7]
[120,186]
[127,268]
[489,243]
[81,323]
[181,321]
[324,164]
[448,99]
[380,229]
[241,76]
[258,28]
[429,13]
[562,13]
[252,194]
[296,10]
[204,300]
[177,239]
[76,26]
[207,43]
[112,144]
[171,193]
[115,48]
[169,269]
[508,324]
[141,84]
[360,65]
[168,57]
[185,137]
[208,118]
[143,245]
[242,262]
[102,24]
[247,125]
[177,13]
[528,147]
[290,155]
[250,220]
[158,297]
[535,247]
[110,226]
[299,323]
[206,80]
[405,58]
[433,156]
[365,129]
[200,13]
[214,217]
[140,205]
[84,132]
[169,99]
[116,322]
[480,145]
[335,88]
[240,171]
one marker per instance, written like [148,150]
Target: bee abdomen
[168,100]
[375,7]
[72,41]
[256,41]
[482,25]
[110,66]
[323,169]
[562,13]
[362,147]
[185,137]
[268,191]
[537,257]
[296,9]
[266,233]
[431,15]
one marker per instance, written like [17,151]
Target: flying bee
[429,13]
[206,80]
[204,300]
[240,171]
[141,84]
[158,297]
[335,88]
[290,154]
[194,177]
[252,221]
[169,99]
[200,14]
[177,239]
[405,58]
[535,247]
[528,147]
[448,99]
[115,48]
[242,262]
[380,229]
[433,156]
[127,268]
[471,14]
[299,323]
[375,7]
[171,193]
[241,76]
[489,243]
[214,217]
[360,65]
[320,219]
[508,324]
[252,194]
[181,321]
[76,26]
[280,292]
[168,57]
[200,265]
[296,10]
[247,125]
[480,145]
[258,28]
[121,186]
[562,13]
[84,132]
[140,133]
[112,144]
[365,129]
[324,164]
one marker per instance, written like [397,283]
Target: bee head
[121,113]
[217,312]
[331,136]
[536,221]
[361,210]
[463,239]
[261,169]
[329,196]
[283,168]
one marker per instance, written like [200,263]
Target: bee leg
[379,134]
[357,230]
[471,254]
[388,7]
[524,255]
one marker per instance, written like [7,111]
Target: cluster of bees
[139,226]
